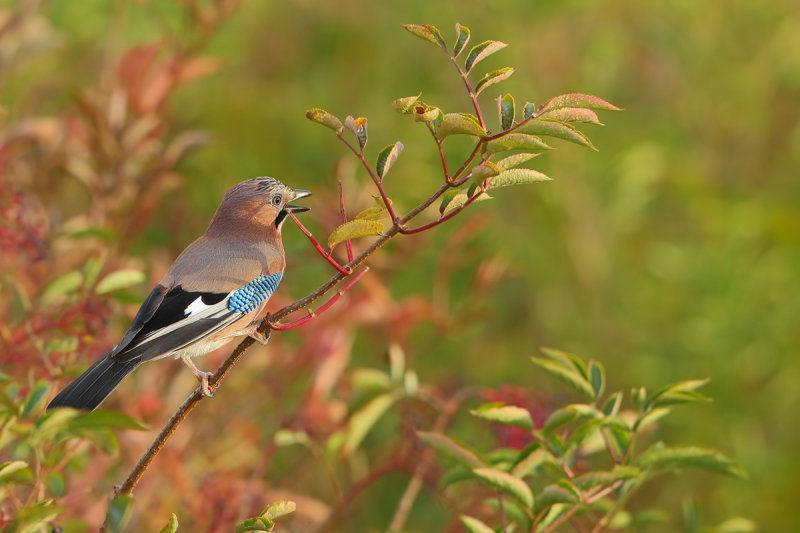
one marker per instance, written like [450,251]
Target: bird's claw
[205,387]
[261,338]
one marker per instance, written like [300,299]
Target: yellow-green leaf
[517,141]
[428,32]
[425,113]
[455,198]
[172,525]
[119,279]
[487,169]
[320,116]
[363,420]
[516,176]
[387,158]
[405,105]
[514,160]
[451,448]
[587,101]
[495,76]
[461,40]
[61,287]
[554,128]
[571,114]
[689,456]
[459,124]
[505,110]
[481,51]
[473,525]
[354,229]
[506,483]
[510,415]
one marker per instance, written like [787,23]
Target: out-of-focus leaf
[359,128]
[454,475]
[517,141]
[279,509]
[320,116]
[589,480]
[428,32]
[462,39]
[184,143]
[102,419]
[171,526]
[510,415]
[55,484]
[568,360]
[515,160]
[571,114]
[506,483]
[481,51]
[587,101]
[650,417]
[612,404]
[676,393]
[490,78]
[516,176]
[528,110]
[567,375]
[91,269]
[689,456]
[406,104]
[451,448]
[369,379]
[354,229]
[410,383]
[736,524]
[551,495]
[362,421]
[459,124]
[34,518]
[61,287]
[287,437]
[505,110]
[260,523]
[118,510]
[558,418]
[598,378]
[473,525]
[559,130]
[119,279]
[387,158]
[11,470]
[34,397]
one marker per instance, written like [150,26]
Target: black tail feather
[92,387]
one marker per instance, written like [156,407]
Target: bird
[216,290]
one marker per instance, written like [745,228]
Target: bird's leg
[325,255]
[201,376]
[324,307]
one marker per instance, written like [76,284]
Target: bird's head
[261,201]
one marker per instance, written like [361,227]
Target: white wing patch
[196,307]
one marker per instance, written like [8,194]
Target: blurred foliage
[670,254]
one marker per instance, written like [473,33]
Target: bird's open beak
[298,193]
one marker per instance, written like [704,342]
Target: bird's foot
[203,377]
[262,338]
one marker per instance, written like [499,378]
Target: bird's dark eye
[276,200]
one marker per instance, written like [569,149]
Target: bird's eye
[276,200]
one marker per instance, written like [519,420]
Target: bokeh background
[670,254]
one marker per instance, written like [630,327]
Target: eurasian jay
[216,289]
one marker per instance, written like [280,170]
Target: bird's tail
[92,387]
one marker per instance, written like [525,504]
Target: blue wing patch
[249,297]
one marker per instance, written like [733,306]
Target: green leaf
[598,378]
[259,523]
[406,104]
[559,130]
[558,418]
[612,404]
[369,379]
[577,100]
[567,359]
[506,483]
[509,415]
[354,229]
[428,32]
[529,459]
[650,417]
[455,198]
[287,437]
[117,513]
[320,116]
[516,176]
[479,52]
[553,494]
[359,128]
[515,160]
[505,110]
[459,124]
[279,509]
[387,158]
[528,110]
[91,269]
[101,419]
[377,213]
[567,375]
[451,448]
[582,434]
[172,525]
[592,479]
[676,393]
[34,398]
[362,421]
[517,141]
[454,475]
[35,517]
[61,287]
[490,78]
[737,524]
[473,525]
[461,41]
[689,456]
[119,279]
[13,469]
[571,114]
[55,484]
[426,113]
[487,169]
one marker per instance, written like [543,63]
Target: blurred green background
[671,254]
